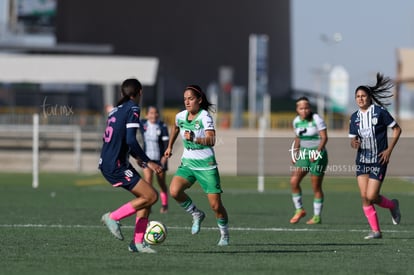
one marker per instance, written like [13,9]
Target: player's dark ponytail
[198,92]
[380,91]
[129,88]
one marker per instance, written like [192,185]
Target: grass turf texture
[56,229]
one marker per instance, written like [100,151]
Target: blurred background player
[368,129]
[310,156]
[119,141]
[155,135]
[198,162]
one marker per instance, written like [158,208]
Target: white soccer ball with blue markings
[156,233]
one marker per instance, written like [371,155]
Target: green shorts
[208,179]
[317,167]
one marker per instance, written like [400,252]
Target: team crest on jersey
[374,121]
[197,125]
[128,173]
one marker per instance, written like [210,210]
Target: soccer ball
[156,233]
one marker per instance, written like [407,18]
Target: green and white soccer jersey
[308,131]
[196,156]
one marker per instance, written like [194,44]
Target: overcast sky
[370,32]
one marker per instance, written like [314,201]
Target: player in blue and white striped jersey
[368,132]
[156,137]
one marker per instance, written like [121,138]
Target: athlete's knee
[216,206]
[374,199]
[177,188]
[152,197]
[175,191]
[219,210]
[294,183]
[367,200]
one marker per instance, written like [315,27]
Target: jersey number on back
[109,130]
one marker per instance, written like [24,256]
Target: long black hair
[198,92]
[380,91]
[129,88]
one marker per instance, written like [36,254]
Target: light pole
[320,76]
[325,73]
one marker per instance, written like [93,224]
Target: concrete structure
[229,156]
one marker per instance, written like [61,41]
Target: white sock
[297,200]
[317,206]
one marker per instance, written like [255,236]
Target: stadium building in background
[192,39]
[196,42]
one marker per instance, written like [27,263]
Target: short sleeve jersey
[155,136]
[371,129]
[115,150]
[308,130]
[196,156]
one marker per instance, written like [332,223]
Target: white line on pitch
[268,229]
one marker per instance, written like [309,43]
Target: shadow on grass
[254,248]
[261,251]
[308,244]
[400,238]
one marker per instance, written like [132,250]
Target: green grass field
[56,229]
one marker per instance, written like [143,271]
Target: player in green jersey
[310,156]
[198,162]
